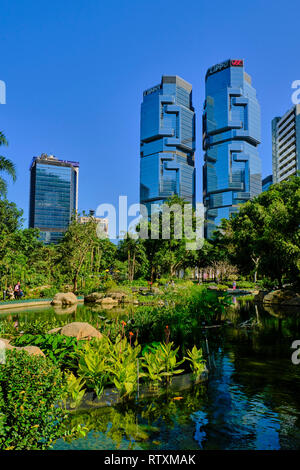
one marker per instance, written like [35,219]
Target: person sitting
[10,293]
[18,291]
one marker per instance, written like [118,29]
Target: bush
[30,387]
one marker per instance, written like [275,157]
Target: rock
[109,301]
[67,298]
[33,350]
[95,297]
[295,302]
[156,291]
[259,297]
[80,330]
[6,344]
[63,310]
[54,330]
[283,297]
[117,296]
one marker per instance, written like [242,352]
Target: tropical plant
[94,364]
[62,350]
[197,362]
[75,390]
[161,363]
[6,166]
[30,387]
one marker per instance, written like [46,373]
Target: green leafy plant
[94,364]
[197,362]
[161,362]
[62,350]
[75,390]
[30,388]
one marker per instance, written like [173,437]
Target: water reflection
[251,401]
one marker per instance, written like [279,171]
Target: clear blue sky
[75,71]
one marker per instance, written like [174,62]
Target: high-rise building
[286,145]
[231,135]
[267,182]
[53,196]
[102,223]
[167,146]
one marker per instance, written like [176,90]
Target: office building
[167,145]
[53,196]
[102,223]
[267,182]
[231,136]
[286,145]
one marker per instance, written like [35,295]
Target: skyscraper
[231,135]
[53,196]
[286,145]
[167,146]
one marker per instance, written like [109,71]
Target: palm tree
[6,166]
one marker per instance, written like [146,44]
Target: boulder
[80,330]
[33,350]
[54,330]
[67,298]
[95,297]
[259,297]
[294,302]
[109,301]
[283,297]
[156,291]
[117,295]
[6,344]
[63,310]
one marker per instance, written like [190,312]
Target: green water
[251,400]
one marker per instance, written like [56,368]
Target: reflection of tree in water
[142,422]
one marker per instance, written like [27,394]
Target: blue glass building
[53,196]
[267,182]
[167,146]
[231,135]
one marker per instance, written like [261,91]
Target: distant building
[286,145]
[102,223]
[167,145]
[267,182]
[231,136]
[53,196]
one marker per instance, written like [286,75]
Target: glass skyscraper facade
[167,145]
[231,136]
[286,145]
[53,196]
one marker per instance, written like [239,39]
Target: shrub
[62,350]
[30,387]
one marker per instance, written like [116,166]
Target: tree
[6,166]
[77,243]
[134,251]
[265,234]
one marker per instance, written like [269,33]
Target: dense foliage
[30,387]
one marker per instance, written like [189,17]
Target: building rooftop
[52,160]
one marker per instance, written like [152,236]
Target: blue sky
[75,71]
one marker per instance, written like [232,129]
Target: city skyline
[45,110]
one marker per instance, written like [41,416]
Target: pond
[251,400]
